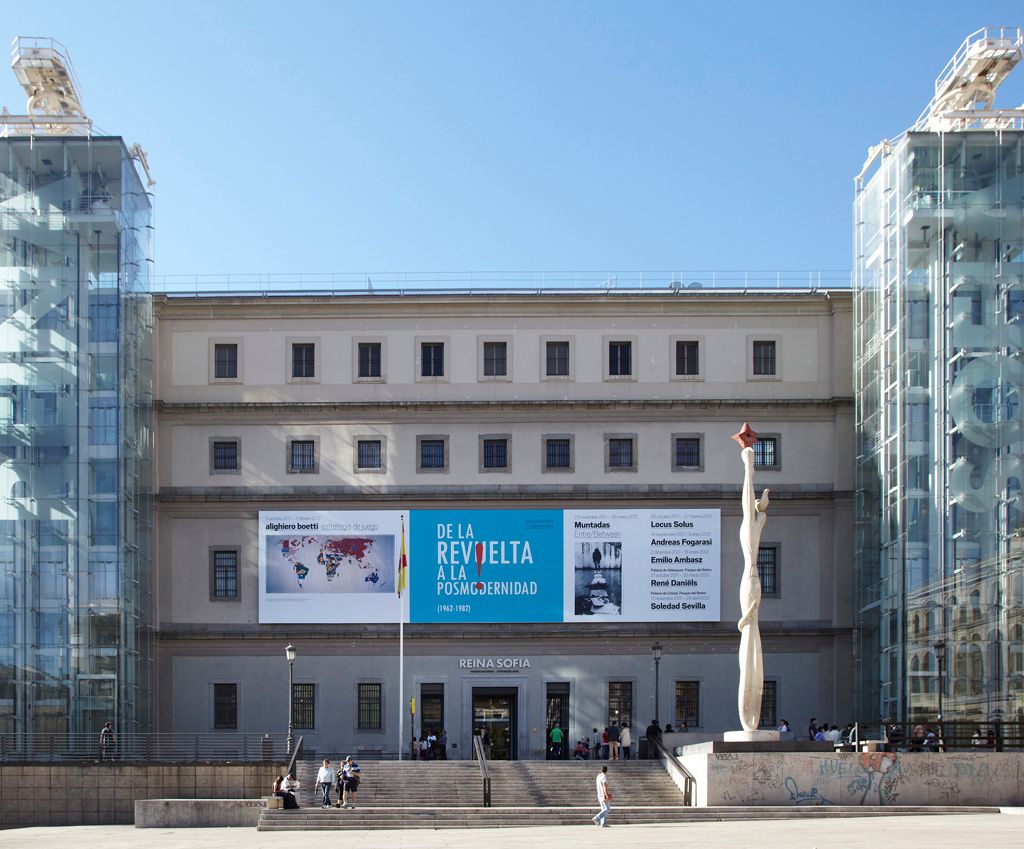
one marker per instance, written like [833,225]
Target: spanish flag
[403,564]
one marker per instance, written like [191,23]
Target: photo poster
[486,566]
[330,567]
[642,565]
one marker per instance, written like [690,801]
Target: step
[511,817]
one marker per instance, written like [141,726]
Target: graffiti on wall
[871,778]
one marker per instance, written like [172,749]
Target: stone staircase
[448,794]
[518,784]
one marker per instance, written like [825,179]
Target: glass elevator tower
[939,373]
[75,434]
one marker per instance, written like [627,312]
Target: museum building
[508,403]
[153,445]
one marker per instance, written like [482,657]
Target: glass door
[494,719]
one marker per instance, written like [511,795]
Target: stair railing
[296,754]
[485,774]
[666,756]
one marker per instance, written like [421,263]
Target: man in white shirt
[325,778]
[604,797]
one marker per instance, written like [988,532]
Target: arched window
[960,670]
[976,671]
[915,675]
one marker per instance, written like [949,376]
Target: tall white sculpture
[754,518]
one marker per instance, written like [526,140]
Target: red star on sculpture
[746,437]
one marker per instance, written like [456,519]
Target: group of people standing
[345,779]
[612,744]
[430,747]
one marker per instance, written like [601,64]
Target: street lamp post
[656,650]
[289,653]
[940,659]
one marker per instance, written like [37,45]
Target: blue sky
[457,136]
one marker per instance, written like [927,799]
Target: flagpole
[402,569]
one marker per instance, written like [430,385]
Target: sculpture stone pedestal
[751,737]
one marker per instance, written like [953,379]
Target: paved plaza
[853,833]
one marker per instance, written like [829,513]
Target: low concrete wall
[105,793]
[198,813]
[851,778]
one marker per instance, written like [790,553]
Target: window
[103,312]
[769,702]
[495,359]
[557,359]
[369,707]
[767,569]
[103,578]
[620,703]
[224,574]
[432,708]
[620,359]
[494,453]
[432,359]
[103,519]
[620,453]
[104,476]
[225,362]
[686,453]
[687,704]
[304,706]
[558,453]
[687,358]
[764,358]
[369,360]
[303,360]
[766,452]
[432,453]
[369,455]
[103,421]
[225,706]
[224,455]
[303,456]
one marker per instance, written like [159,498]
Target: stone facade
[105,794]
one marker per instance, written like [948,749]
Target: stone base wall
[105,794]
[851,778]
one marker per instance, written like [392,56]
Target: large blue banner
[486,566]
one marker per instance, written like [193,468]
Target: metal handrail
[460,282]
[296,754]
[689,782]
[213,747]
[485,774]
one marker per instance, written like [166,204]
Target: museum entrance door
[494,718]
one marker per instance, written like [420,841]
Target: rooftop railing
[489,282]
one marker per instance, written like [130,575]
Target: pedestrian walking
[556,743]
[604,798]
[324,780]
[107,741]
[350,775]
